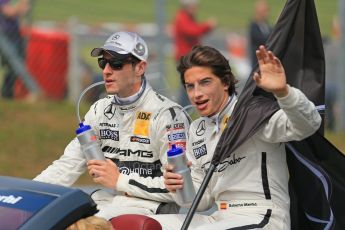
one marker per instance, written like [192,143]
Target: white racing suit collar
[131,102]
[217,118]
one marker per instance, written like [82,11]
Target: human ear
[140,68]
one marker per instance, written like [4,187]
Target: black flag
[297,42]
[317,175]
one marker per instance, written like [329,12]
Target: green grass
[232,15]
[33,135]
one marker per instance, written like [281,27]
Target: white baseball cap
[124,43]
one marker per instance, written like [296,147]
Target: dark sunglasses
[115,64]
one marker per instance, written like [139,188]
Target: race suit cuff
[290,100]
[174,196]
[122,183]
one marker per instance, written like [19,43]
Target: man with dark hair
[250,188]
[135,126]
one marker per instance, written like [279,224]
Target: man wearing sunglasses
[135,125]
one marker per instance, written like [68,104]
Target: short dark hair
[206,56]
[133,59]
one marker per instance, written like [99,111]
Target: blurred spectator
[91,223]
[331,48]
[188,32]
[259,29]
[10,14]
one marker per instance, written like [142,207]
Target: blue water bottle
[89,143]
[177,158]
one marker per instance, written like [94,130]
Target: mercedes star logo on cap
[139,49]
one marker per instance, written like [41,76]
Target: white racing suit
[136,137]
[250,187]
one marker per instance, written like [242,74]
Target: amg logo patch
[108,149]
[139,153]
[109,134]
[140,140]
[127,152]
[199,152]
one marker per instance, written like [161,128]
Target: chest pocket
[142,124]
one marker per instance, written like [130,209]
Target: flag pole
[198,197]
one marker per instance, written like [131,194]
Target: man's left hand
[272,75]
[105,173]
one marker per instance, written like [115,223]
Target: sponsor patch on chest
[141,140]
[142,124]
[173,136]
[200,151]
[109,134]
[178,144]
[175,126]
